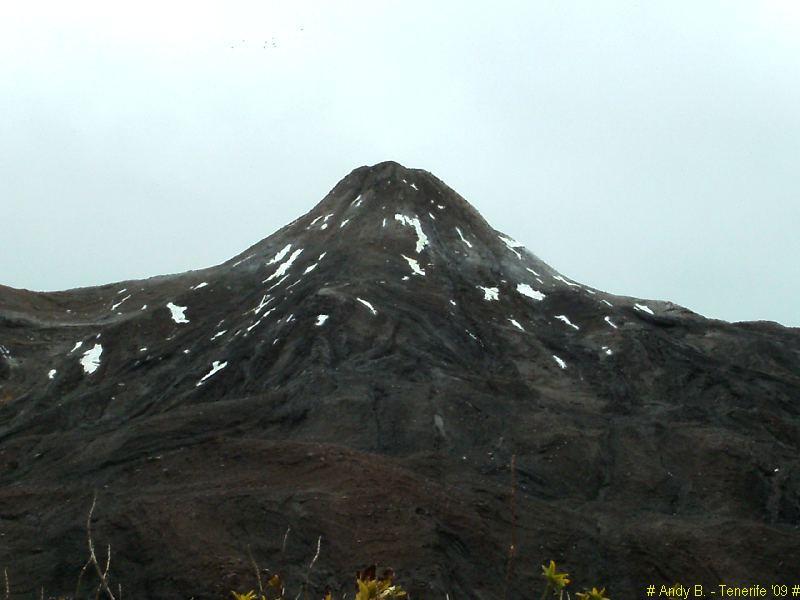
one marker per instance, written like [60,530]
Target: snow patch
[608,320]
[277,283]
[516,324]
[51,374]
[215,366]
[177,313]
[118,304]
[314,266]
[422,239]
[643,308]
[526,290]
[321,320]
[560,362]
[218,334]
[567,321]
[512,245]
[199,286]
[492,293]
[257,323]
[560,278]
[368,305]
[91,359]
[463,239]
[281,253]
[414,265]
[284,266]
[265,299]
[76,346]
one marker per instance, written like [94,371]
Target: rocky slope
[365,374]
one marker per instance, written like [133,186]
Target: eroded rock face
[365,374]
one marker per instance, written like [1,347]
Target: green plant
[556,582]
[370,588]
[274,590]
[594,594]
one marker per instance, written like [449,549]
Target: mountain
[364,377]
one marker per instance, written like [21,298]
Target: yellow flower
[370,588]
[593,595]
[367,589]
[555,581]
[251,595]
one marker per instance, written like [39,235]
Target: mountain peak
[394,185]
[385,212]
[386,356]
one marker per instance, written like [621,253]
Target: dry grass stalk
[304,589]
[316,556]
[285,537]
[257,570]
[105,573]
[93,557]
[80,577]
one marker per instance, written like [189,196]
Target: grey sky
[644,148]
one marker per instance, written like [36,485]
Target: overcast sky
[645,148]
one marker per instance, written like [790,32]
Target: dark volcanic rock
[365,374]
